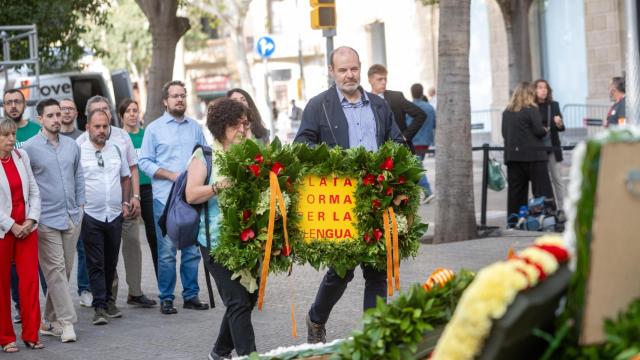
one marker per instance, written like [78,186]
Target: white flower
[403,224]
[265,197]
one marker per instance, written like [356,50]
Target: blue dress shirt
[168,144]
[361,122]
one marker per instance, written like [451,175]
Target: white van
[73,85]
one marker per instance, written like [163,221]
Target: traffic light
[323,14]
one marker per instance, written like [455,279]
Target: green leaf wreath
[386,178]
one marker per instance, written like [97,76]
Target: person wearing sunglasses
[107,181]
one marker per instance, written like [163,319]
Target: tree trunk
[237,39]
[516,20]
[166,29]
[455,213]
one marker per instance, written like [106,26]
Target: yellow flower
[555,240]
[487,298]
[547,261]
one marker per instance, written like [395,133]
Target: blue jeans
[83,276]
[189,261]
[424,182]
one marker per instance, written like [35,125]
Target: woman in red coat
[19,213]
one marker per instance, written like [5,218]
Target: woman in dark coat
[552,121]
[524,152]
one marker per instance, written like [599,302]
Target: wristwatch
[136,196]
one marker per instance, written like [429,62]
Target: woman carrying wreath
[228,122]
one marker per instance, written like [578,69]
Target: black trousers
[146,207]
[101,245]
[519,174]
[333,286]
[236,330]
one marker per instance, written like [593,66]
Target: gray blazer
[30,192]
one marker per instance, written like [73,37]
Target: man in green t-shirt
[14,104]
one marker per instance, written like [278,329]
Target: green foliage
[60,23]
[125,36]
[299,161]
[393,331]
[622,339]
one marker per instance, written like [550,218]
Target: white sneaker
[86,299]
[68,334]
[49,330]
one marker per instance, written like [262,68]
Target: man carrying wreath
[347,116]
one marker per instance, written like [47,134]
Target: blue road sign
[265,47]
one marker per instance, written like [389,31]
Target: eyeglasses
[14,102]
[69,109]
[244,124]
[100,160]
[176,96]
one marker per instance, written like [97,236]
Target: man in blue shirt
[347,116]
[166,149]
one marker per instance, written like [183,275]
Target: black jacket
[552,109]
[323,121]
[401,107]
[523,132]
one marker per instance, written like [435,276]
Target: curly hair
[222,113]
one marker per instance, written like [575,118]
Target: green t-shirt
[26,132]
[136,139]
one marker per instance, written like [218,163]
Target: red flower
[246,214]
[401,180]
[286,250]
[389,191]
[367,238]
[377,233]
[247,234]
[375,203]
[404,201]
[259,159]
[558,252]
[380,178]
[277,168]
[387,164]
[255,169]
[368,180]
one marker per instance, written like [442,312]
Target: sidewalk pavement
[147,334]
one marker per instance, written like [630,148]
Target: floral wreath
[386,189]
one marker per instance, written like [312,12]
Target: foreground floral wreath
[490,294]
[386,189]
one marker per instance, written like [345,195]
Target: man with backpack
[166,149]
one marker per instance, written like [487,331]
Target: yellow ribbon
[393,250]
[275,199]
